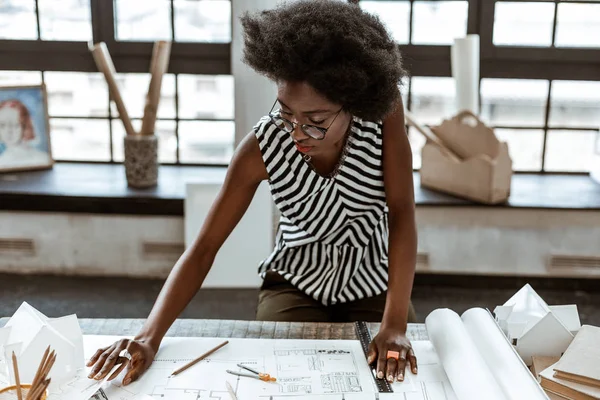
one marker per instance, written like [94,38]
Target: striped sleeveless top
[332,238]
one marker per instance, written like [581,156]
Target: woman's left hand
[391,339]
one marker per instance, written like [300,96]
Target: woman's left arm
[402,252]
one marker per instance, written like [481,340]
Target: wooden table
[238,329]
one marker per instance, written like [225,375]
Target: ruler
[364,336]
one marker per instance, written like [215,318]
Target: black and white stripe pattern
[332,241]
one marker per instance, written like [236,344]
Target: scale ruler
[364,336]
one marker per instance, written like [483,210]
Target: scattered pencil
[202,357]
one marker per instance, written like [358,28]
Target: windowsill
[102,189]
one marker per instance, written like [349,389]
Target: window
[195,116]
[540,81]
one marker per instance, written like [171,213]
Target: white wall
[254,94]
[456,239]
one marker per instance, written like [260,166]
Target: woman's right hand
[142,355]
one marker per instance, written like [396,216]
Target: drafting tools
[253,374]
[364,336]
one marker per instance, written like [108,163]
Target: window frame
[548,63]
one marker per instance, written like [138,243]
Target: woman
[335,152]
[16,137]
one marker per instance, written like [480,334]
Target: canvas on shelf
[24,129]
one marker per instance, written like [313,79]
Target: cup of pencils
[141,148]
[10,393]
[141,160]
[38,389]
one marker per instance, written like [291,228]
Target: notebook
[581,361]
[565,388]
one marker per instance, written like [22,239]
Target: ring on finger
[125,354]
[393,354]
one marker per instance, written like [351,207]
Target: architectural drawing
[305,369]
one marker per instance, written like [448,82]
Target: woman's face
[301,104]
[11,131]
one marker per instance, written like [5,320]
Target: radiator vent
[162,250]
[17,247]
[562,261]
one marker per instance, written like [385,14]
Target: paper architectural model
[29,332]
[534,328]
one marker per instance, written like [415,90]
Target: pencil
[231,391]
[17,380]
[40,368]
[202,357]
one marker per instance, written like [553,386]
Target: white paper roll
[504,363]
[465,70]
[467,371]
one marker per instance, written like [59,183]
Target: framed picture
[24,129]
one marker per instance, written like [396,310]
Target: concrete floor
[133,298]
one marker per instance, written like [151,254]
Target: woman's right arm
[245,173]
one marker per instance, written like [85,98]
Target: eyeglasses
[315,132]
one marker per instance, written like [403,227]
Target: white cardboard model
[29,332]
[534,328]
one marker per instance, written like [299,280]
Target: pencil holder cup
[10,392]
[141,160]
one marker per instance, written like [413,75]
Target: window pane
[203,21]
[76,94]
[134,88]
[432,99]
[417,141]
[147,20]
[65,20]
[439,22]
[577,25]
[17,19]
[11,78]
[525,147]
[167,142]
[394,14]
[204,96]
[80,139]
[575,104]
[404,90]
[523,24]
[570,150]
[206,141]
[514,102]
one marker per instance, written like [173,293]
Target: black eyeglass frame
[304,127]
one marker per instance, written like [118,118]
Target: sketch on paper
[310,369]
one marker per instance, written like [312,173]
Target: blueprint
[307,369]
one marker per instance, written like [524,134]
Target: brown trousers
[279,300]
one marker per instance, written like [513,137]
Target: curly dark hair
[344,53]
